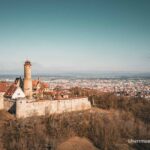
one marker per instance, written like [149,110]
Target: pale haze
[75,35]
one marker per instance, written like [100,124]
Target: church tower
[27,87]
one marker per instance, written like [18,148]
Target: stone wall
[26,108]
[1,101]
[10,105]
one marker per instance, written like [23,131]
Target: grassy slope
[5,117]
[105,129]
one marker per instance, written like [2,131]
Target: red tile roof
[45,85]
[4,86]
[10,91]
[34,83]
[42,84]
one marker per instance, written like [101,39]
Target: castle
[26,98]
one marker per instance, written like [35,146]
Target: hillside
[5,118]
[106,129]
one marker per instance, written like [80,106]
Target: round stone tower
[27,86]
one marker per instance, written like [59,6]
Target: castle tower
[27,87]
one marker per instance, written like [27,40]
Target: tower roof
[27,62]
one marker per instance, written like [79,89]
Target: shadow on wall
[12,109]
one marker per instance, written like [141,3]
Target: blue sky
[75,35]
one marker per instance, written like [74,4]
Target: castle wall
[10,105]
[26,108]
[1,101]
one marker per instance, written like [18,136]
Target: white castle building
[18,99]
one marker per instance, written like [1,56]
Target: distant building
[39,86]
